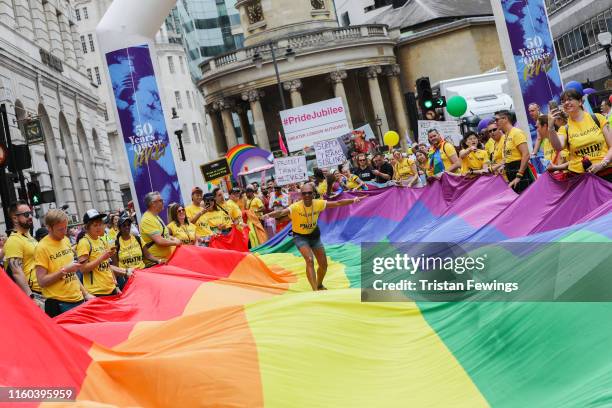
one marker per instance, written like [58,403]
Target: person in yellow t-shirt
[474,161]
[423,167]
[404,170]
[113,229]
[353,182]
[56,268]
[237,198]
[588,140]
[179,225]
[320,182]
[217,217]
[516,153]
[254,211]
[557,160]
[448,153]
[497,157]
[130,252]
[304,216]
[94,254]
[154,232]
[195,213]
[19,252]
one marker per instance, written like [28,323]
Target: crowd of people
[62,266]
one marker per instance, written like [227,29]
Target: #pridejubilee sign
[143,124]
[308,124]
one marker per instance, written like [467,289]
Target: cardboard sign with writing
[290,170]
[448,130]
[215,170]
[330,153]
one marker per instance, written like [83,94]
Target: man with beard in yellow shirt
[19,251]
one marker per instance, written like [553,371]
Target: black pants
[511,170]
[54,307]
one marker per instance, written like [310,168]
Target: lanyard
[310,220]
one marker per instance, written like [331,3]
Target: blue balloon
[482,125]
[589,91]
[574,85]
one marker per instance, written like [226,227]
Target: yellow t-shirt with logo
[233,209]
[101,280]
[130,254]
[490,146]
[112,235]
[446,152]
[256,205]
[186,233]
[514,138]
[151,225]
[402,170]
[586,139]
[352,183]
[304,219]
[218,219]
[549,152]
[23,246]
[201,226]
[54,255]
[322,188]
[474,161]
[498,151]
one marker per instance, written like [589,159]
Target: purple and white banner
[534,53]
[143,124]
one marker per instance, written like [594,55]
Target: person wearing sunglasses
[179,225]
[19,251]
[304,216]
[154,232]
[364,169]
[497,156]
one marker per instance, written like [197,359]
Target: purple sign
[534,53]
[143,124]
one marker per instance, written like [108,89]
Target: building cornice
[445,28]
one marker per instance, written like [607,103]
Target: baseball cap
[250,189]
[92,215]
[209,196]
[124,218]
[235,190]
[196,190]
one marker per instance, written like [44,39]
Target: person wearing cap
[56,267]
[217,216]
[195,212]
[153,231]
[234,205]
[19,251]
[179,225]
[94,253]
[254,212]
[130,252]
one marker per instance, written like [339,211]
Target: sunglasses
[307,193]
[492,130]
[362,160]
[181,210]
[25,214]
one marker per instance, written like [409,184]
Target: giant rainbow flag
[218,328]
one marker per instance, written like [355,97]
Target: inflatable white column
[126,39]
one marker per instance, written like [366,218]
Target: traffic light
[426,99]
[34,193]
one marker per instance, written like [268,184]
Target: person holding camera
[94,255]
[56,267]
[474,159]
[587,137]
[195,213]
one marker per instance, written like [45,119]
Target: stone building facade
[75,158]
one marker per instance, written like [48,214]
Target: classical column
[294,87]
[245,127]
[226,106]
[220,145]
[397,100]
[7,14]
[376,97]
[66,34]
[57,48]
[76,46]
[41,35]
[22,17]
[261,133]
[337,79]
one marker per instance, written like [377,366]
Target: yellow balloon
[391,138]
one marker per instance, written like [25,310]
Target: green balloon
[456,106]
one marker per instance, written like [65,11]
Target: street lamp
[379,126]
[605,40]
[289,55]
[177,124]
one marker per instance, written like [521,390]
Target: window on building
[89,74]
[171,64]
[581,41]
[105,114]
[200,132]
[179,102]
[97,71]
[189,101]
[346,19]
[83,44]
[85,14]
[186,136]
[182,64]
[196,134]
[91,42]
[77,13]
